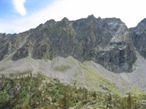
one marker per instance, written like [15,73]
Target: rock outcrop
[138,35]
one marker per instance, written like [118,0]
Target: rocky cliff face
[138,35]
[105,41]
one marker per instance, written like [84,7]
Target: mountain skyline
[85,47]
[21,15]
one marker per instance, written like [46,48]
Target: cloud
[75,9]
[19,6]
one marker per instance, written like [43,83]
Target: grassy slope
[84,74]
[36,91]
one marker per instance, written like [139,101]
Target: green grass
[62,68]
[94,79]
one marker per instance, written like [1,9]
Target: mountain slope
[104,41]
[69,70]
[100,54]
[35,91]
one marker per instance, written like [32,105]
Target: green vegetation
[37,91]
[62,68]
[98,78]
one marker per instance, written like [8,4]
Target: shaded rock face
[9,43]
[138,35]
[105,41]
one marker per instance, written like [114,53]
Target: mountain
[104,41]
[100,54]
[138,35]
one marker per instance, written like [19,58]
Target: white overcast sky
[131,12]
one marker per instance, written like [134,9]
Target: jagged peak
[51,21]
[141,26]
[113,19]
[91,17]
[65,19]
[99,18]
[142,23]
[64,22]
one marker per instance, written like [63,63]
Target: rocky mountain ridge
[138,35]
[104,41]
[94,52]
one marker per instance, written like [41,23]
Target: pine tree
[129,101]
[109,100]
[94,95]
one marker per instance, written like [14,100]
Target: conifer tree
[129,101]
